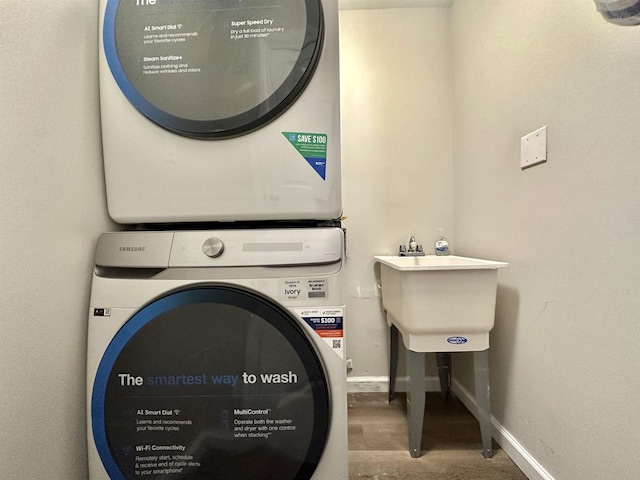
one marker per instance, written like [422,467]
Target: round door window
[212,68]
[210,382]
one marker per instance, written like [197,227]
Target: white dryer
[220,110]
[217,354]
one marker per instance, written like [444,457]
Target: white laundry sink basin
[440,303]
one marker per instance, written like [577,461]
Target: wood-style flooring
[451,444]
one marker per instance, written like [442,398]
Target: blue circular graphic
[166,335]
[209,69]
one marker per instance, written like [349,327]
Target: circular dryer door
[212,68]
[211,382]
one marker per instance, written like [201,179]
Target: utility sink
[440,303]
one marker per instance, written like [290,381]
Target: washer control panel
[241,248]
[268,247]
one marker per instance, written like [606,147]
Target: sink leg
[481,368]
[415,400]
[443,359]
[393,360]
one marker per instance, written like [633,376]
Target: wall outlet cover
[533,148]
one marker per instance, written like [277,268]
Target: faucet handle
[413,249]
[412,244]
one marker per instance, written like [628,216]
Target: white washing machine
[217,354]
[220,110]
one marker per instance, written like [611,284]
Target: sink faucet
[413,249]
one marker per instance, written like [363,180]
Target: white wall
[52,208]
[564,352]
[396,155]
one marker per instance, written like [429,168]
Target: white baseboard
[516,452]
[525,461]
[381,384]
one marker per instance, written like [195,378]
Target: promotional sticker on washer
[294,289]
[210,382]
[312,147]
[328,324]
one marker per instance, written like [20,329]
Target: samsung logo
[132,249]
[457,340]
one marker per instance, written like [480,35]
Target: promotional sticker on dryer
[312,147]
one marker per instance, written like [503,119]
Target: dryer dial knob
[213,247]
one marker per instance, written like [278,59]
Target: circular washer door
[212,68]
[211,382]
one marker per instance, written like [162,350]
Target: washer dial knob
[213,247]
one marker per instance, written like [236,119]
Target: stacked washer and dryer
[215,338]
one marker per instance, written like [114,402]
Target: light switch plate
[533,148]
